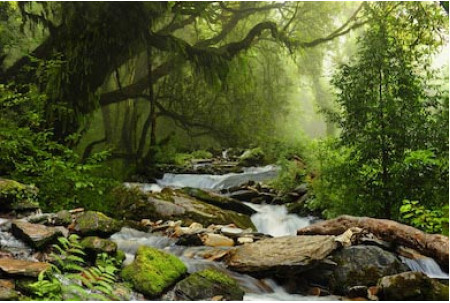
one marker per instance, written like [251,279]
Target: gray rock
[92,223]
[362,266]
[36,235]
[63,217]
[289,253]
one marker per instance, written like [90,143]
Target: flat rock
[215,240]
[93,223]
[36,235]
[14,267]
[297,253]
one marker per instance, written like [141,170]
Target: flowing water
[426,265]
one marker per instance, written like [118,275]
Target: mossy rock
[93,223]
[207,284]
[63,217]
[412,286]
[153,271]
[95,245]
[17,196]
[219,201]
[252,157]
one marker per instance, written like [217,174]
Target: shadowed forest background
[96,93]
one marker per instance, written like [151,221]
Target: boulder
[7,291]
[206,285]
[362,266]
[252,157]
[93,223]
[153,271]
[289,253]
[63,217]
[95,245]
[219,201]
[38,236]
[244,194]
[176,205]
[14,267]
[17,196]
[412,286]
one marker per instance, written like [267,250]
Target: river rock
[93,223]
[14,267]
[153,271]
[7,291]
[219,201]
[63,217]
[176,205]
[189,240]
[36,235]
[243,240]
[362,266]
[215,240]
[289,253]
[244,194]
[206,285]
[412,286]
[252,157]
[95,245]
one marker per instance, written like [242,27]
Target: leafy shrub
[289,176]
[430,221]
[29,155]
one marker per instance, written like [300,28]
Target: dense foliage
[394,140]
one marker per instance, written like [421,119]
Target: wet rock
[179,206]
[189,240]
[92,223]
[301,189]
[231,231]
[7,291]
[153,271]
[95,245]
[63,217]
[362,266]
[206,285]
[36,235]
[299,207]
[252,157]
[243,240]
[14,267]
[244,194]
[122,292]
[215,240]
[289,253]
[357,291]
[415,286]
[219,201]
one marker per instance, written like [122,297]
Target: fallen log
[431,245]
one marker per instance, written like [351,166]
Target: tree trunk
[431,245]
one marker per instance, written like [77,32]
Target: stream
[269,219]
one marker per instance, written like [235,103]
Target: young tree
[387,105]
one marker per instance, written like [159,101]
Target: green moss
[252,157]
[206,284]
[17,196]
[96,223]
[153,271]
[98,245]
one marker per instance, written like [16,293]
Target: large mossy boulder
[175,205]
[412,286]
[219,201]
[93,223]
[206,285]
[252,157]
[17,196]
[362,265]
[38,236]
[153,271]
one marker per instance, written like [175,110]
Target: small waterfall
[275,220]
[205,181]
[426,265]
